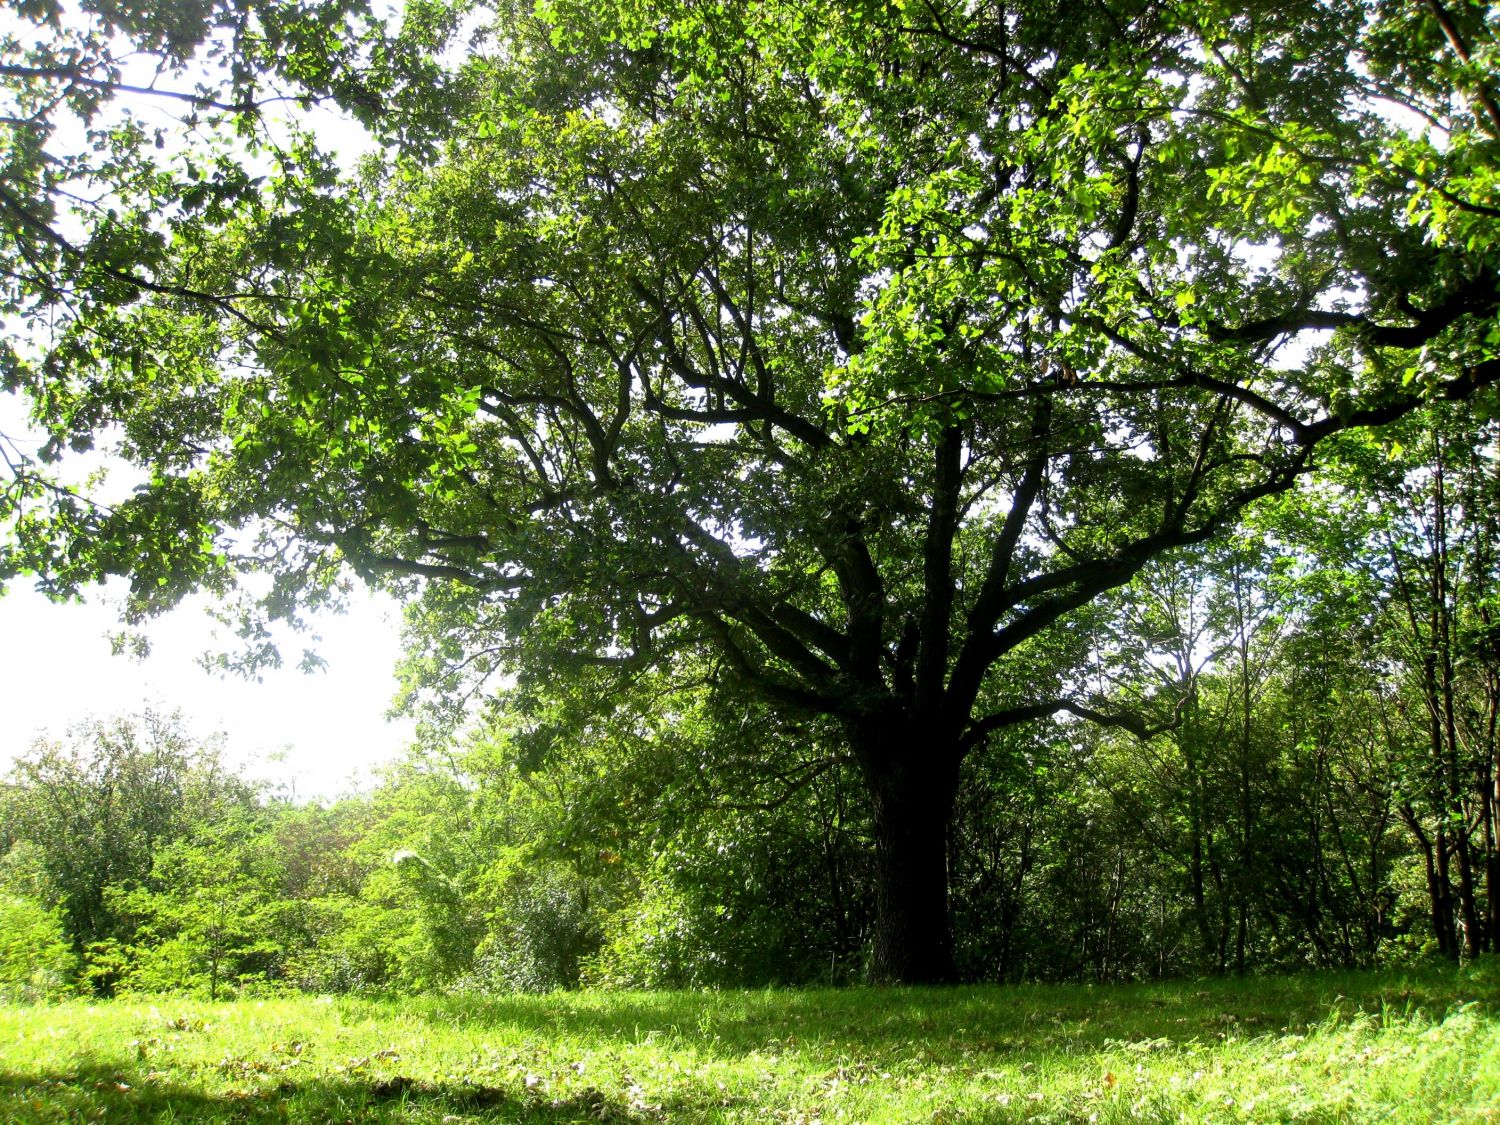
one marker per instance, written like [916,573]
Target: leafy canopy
[858,346]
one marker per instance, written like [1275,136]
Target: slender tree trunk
[1492,863]
[1222,912]
[1449,938]
[1444,717]
[1247,807]
[1442,846]
[1468,909]
[1491,810]
[1010,906]
[1197,830]
[831,821]
[1436,902]
[912,777]
[1489,580]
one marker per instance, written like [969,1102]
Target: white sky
[318,734]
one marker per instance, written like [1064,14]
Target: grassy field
[1416,1047]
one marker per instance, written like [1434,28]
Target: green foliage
[36,960]
[93,811]
[765,893]
[544,929]
[209,918]
[713,842]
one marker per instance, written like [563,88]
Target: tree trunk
[1492,836]
[1468,910]
[913,780]
[1449,939]
[1196,831]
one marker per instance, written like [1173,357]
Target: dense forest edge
[1324,797]
[1306,809]
[913,491]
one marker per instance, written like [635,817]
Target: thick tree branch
[757,678]
[1456,389]
[370,561]
[968,671]
[1460,47]
[74,76]
[754,406]
[785,629]
[979,729]
[863,593]
[1478,297]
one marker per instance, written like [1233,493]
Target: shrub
[36,962]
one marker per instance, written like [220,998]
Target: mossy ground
[1390,1047]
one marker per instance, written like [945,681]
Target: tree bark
[911,772]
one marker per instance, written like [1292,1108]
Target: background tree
[210,917]
[1419,543]
[94,810]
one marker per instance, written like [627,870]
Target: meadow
[1419,1046]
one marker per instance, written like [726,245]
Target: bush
[544,930]
[36,962]
[652,944]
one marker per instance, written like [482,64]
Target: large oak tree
[857,349]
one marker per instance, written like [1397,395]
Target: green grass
[1413,1047]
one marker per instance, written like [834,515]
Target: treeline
[1297,767]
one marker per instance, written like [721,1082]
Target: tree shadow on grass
[112,1095]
